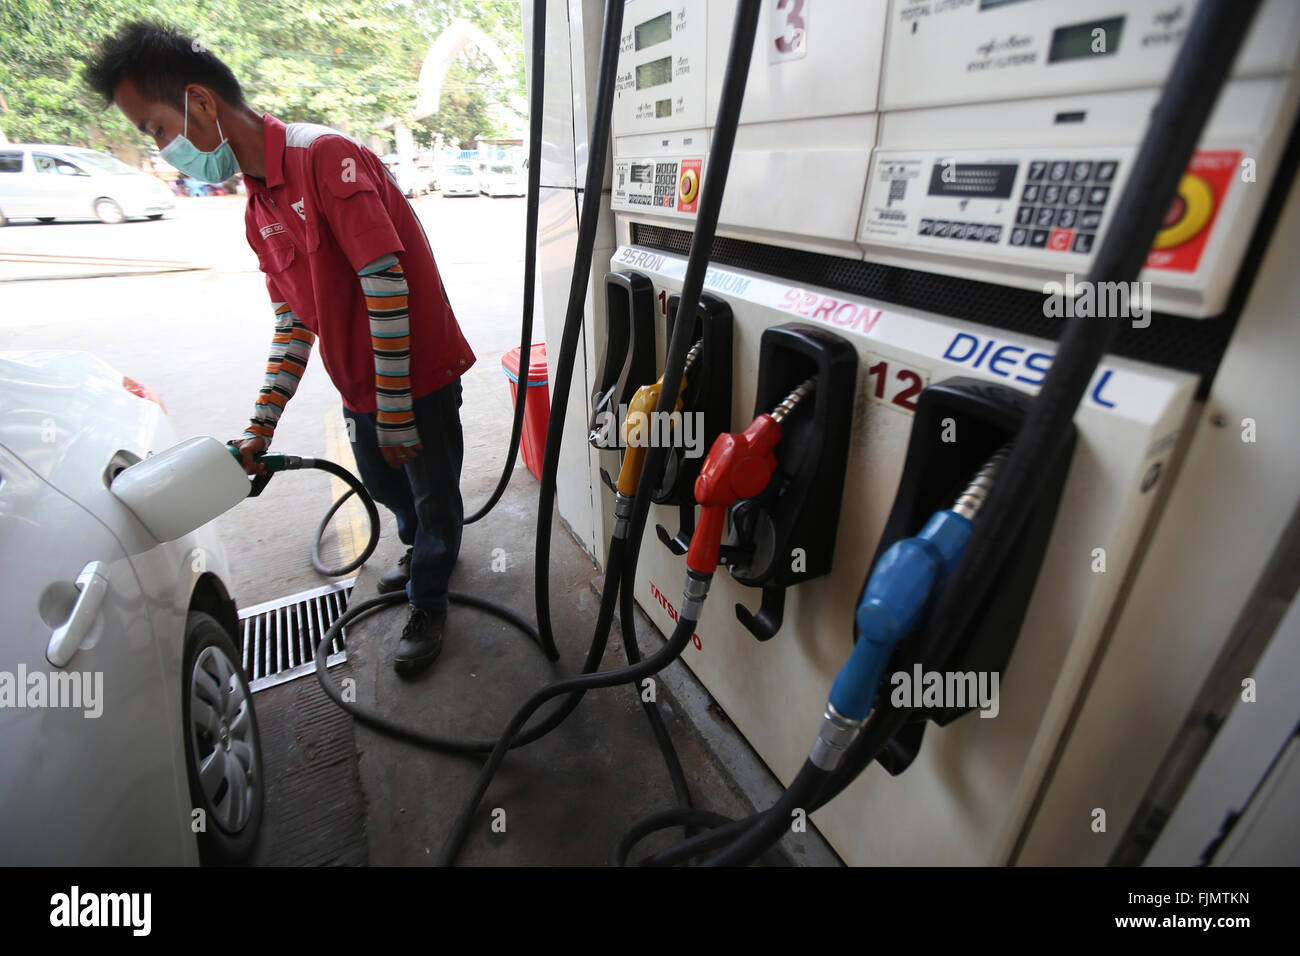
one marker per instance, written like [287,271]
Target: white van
[69,182]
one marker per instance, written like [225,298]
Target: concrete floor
[567,797]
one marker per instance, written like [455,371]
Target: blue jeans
[425,494]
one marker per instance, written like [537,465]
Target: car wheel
[223,754]
[108,211]
[44,218]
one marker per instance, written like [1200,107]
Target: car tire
[225,745]
[108,211]
[44,218]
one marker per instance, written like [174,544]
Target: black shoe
[421,640]
[395,578]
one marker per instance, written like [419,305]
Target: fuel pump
[786,535]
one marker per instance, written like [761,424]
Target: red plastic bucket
[537,408]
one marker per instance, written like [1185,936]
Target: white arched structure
[443,53]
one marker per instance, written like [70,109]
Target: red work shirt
[327,209]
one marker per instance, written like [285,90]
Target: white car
[501,179]
[68,182]
[127,730]
[459,179]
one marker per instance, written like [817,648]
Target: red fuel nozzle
[739,466]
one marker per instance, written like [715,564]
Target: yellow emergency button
[688,186]
[1188,213]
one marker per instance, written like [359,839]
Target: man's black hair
[161,62]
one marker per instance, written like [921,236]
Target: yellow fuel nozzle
[639,418]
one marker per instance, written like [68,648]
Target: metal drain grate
[279,636]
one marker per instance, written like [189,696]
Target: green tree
[351,64]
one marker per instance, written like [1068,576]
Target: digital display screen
[973,180]
[654,73]
[654,31]
[1099,38]
[663,108]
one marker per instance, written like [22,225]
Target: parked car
[69,182]
[501,179]
[459,179]
[144,730]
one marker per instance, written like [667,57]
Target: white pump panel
[968,51]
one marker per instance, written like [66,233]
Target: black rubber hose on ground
[427,741]
[587,223]
[656,662]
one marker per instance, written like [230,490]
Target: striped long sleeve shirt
[386,293]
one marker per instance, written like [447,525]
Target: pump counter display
[660,81]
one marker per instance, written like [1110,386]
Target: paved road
[200,337]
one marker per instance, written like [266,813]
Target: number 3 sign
[789,31]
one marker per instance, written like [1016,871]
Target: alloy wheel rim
[222,739]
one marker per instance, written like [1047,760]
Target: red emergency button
[689,185]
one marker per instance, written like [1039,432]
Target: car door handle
[67,637]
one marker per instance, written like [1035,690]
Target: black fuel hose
[711,193]
[354,488]
[1204,61]
[627,620]
[536,106]
[587,223]
[536,113]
